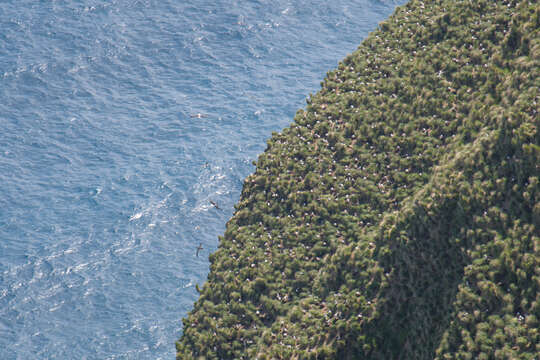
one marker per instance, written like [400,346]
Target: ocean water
[106,178]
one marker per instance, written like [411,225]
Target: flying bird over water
[215,205]
[199,248]
[198,116]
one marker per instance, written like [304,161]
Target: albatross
[215,205]
[198,116]
[199,248]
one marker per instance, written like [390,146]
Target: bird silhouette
[199,248]
[215,205]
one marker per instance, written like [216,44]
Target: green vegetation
[398,217]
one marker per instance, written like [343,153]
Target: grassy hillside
[398,217]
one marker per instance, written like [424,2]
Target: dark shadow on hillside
[424,266]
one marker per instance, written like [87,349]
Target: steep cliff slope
[398,217]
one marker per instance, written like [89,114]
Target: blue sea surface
[105,176]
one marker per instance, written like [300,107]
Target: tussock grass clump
[398,216]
